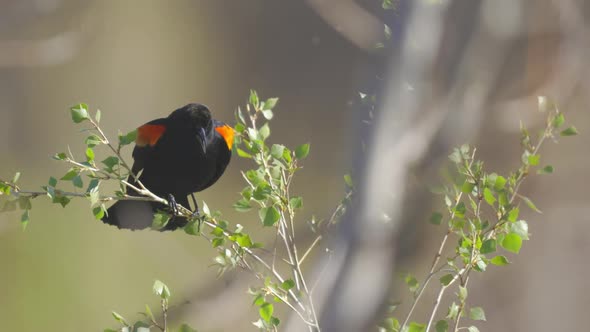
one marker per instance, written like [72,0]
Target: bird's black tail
[134,215]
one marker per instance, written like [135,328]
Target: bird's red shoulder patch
[149,134]
[227,133]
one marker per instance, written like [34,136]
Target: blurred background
[139,60]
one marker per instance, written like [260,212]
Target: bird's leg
[173,206]
[196,213]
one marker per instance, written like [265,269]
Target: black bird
[182,154]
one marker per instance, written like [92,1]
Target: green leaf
[267,114]
[242,205]
[558,120]
[412,283]
[89,154]
[243,153]
[70,175]
[270,103]
[287,284]
[77,181]
[513,214]
[16,177]
[472,329]
[302,151]
[348,181]
[512,242]
[489,196]
[415,327]
[488,246]
[534,159]
[79,113]
[99,212]
[467,187]
[546,170]
[477,313]
[92,141]
[243,240]
[446,279]
[453,311]
[120,318]
[111,161]
[97,116]
[24,219]
[499,183]
[161,289]
[521,228]
[296,202]
[436,218]
[148,313]
[254,101]
[128,138]
[287,155]
[60,156]
[186,328]
[276,151]
[217,242]
[462,293]
[500,260]
[265,311]
[571,131]
[530,204]
[442,326]
[269,216]
[388,4]
[160,220]
[262,191]
[264,131]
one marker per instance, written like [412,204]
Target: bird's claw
[173,206]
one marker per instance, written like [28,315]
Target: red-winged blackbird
[184,153]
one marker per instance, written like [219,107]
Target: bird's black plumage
[183,153]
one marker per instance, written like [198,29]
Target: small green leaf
[442,326]
[453,311]
[79,113]
[558,120]
[530,204]
[546,170]
[267,114]
[89,154]
[242,205]
[99,212]
[243,240]
[97,116]
[296,202]
[265,311]
[467,187]
[513,214]
[269,216]
[161,289]
[302,151]
[415,327]
[477,313]
[512,242]
[446,279]
[462,293]
[270,103]
[254,101]
[276,151]
[489,196]
[472,329]
[77,181]
[160,220]
[521,228]
[499,183]
[288,284]
[348,181]
[111,161]
[60,156]
[243,153]
[500,260]
[16,177]
[92,141]
[571,131]
[120,319]
[264,131]
[412,283]
[217,242]
[128,138]
[436,218]
[534,159]
[70,175]
[262,191]
[24,219]
[488,246]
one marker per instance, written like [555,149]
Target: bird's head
[196,118]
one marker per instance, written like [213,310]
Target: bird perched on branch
[175,157]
